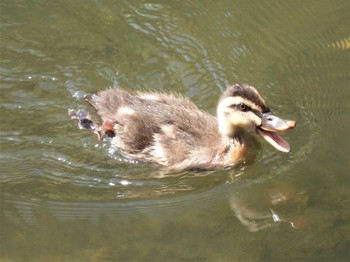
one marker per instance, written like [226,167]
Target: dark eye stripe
[241,107]
[258,113]
[246,108]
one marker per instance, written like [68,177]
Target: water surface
[67,196]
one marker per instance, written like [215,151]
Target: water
[66,196]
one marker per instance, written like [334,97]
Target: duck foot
[85,122]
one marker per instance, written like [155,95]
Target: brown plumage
[170,130]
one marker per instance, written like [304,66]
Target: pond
[65,196]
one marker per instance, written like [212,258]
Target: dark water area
[65,196]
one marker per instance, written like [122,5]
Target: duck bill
[272,124]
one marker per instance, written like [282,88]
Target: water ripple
[168,35]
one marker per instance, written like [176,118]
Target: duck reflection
[260,207]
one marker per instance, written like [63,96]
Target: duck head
[242,108]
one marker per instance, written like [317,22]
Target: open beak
[272,124]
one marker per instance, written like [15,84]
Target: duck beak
[272,124]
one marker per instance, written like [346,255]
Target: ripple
[187,48]
[24,210]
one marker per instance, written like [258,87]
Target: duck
[171,131]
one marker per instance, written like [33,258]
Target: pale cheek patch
[255,119]
[239,120]
[246,120]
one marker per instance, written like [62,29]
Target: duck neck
[228,131]
[234,148]
[236,139]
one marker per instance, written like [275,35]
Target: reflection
[261,207]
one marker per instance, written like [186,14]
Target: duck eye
[243,107]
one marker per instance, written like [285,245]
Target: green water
[65,196]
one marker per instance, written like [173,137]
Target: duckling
[170,130]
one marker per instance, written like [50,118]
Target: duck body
[170,130]
[166,129]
